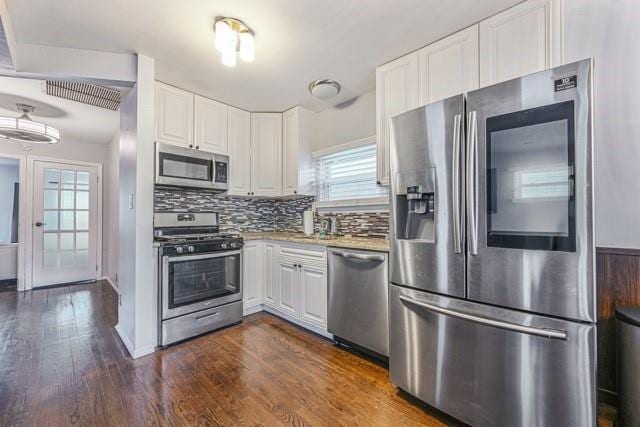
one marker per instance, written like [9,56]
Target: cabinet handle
[190,145]
[295,192]
[197,147]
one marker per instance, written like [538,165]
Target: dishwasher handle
[362,257]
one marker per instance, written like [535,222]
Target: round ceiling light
[324,89]
[23,129]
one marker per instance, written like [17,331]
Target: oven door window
[530,179]
[176,166]
[195,280]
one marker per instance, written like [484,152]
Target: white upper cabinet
[266,154]
[239,138]
[449,67]
[297,166]
[174,115]
[521,40]
[396,92]
[210,123]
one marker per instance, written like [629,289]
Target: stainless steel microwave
[186,167]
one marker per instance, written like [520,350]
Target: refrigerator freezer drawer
[490,366]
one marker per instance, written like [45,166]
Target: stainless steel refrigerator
[492,297]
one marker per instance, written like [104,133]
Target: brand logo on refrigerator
[564,83]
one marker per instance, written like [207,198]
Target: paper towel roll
[308,222]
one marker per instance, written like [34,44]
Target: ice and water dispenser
[415,205]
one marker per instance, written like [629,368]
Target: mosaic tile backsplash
[246,215]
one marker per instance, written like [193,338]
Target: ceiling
[297,41]
[76,122]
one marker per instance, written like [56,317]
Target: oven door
[196,282]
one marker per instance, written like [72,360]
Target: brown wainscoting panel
[618,283]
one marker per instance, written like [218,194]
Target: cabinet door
[450,66]
[252,274]
[239,137]
[521,40]
[314,295]
[210,131]
[289,295]
[290,141]
[396,92]
[174,115]
[266,154]
[271,281]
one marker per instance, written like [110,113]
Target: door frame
[28,258]
[22,215]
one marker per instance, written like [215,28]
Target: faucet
[329,225]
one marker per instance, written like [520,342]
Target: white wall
[348,122]
[111,211]
[9,175]
[137,312]
[609,32]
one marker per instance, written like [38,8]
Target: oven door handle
[221,254]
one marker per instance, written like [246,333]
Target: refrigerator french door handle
[455,184]
[541,332]
[471,174]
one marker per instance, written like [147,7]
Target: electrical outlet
[119,299]
[131,201]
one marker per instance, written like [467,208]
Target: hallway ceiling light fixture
[234,37]
[23,129]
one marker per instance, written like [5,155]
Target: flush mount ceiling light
[324,89]
[23,129]
[233,38]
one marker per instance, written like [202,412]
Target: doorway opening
[9,220]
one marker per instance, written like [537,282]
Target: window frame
[377,204]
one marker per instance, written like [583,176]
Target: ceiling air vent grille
[86,93]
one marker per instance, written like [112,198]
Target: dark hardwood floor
[61,363]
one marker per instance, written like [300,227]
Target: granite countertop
[366,243]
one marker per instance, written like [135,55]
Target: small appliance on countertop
[200,275]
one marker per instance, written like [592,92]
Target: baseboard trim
[315,329]
[113,285]
[133,352]
[252,310]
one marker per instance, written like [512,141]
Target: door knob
[39,224]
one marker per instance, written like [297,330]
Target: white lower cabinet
[271,283]
[293,280]
[313,287]
[252,277]
[289,284]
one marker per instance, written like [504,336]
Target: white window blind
[348,174]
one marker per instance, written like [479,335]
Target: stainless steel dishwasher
[358,299]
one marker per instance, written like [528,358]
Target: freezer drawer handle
[541,332]
[378,258]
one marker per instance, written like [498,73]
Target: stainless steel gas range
[200,275]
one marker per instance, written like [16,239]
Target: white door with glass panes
[65,223]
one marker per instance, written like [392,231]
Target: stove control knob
[179,250]
[233,245]
[223,246]
[191,249]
